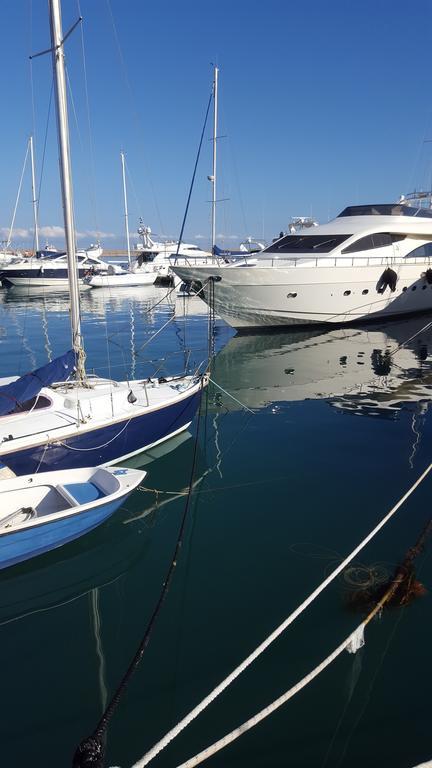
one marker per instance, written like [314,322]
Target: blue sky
[322,104]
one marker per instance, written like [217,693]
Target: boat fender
[131,397]
[387,279]
[428,276]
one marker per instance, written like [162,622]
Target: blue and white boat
[49,419]
[49,269]
[59,416]
[44,511]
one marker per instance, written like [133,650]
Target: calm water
[340,430]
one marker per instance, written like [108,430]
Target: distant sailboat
[124,278]
[59,416]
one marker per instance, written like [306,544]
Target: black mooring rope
[91,751]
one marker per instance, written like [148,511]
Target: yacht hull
[258,297]
[127,280]
[56,283]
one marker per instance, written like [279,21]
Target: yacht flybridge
[370,261]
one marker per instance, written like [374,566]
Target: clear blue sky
[323,104]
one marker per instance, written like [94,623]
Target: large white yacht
[370,261]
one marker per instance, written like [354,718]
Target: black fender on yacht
[387,279]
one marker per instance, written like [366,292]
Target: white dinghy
[41,512]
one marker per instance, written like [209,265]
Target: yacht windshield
[306,243]
[389,209]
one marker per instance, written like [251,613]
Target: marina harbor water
[215,440]
[341,428]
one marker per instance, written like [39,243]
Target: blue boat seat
[83,493]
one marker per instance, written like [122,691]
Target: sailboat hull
[106,444]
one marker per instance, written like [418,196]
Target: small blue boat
[41,512]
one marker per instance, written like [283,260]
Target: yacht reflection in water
[359,370]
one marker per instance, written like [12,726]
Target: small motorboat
[44,511]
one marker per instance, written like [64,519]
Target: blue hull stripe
[105,445]
[22,545]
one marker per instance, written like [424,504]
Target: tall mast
[213,178]
[34,199]
[126,215]
[66,176]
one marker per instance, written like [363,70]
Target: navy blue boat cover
[29,385]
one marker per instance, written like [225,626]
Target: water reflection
[360,370]
[102,557]
[118,328]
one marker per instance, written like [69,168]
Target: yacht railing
[342,261]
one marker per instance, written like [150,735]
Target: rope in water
[90,752]
[162,743]
[352,643]
[404,575]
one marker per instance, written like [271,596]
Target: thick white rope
[352,644]
[246,726]
[275,634]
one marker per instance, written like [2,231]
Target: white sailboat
[60,416]
[136,274]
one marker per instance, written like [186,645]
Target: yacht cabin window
[306,243]
[377,240]
[422,252]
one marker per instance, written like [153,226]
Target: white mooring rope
[162,743]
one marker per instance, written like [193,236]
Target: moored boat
[371,261]
[44,511]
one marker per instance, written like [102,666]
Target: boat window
[145,258]
[306,243]
[377,240]
[388,209]
[34,404]
[422,252]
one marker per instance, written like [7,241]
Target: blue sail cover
[224,252]
[30,384]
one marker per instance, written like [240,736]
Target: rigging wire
[9,240]
[193,175]
[93,198]
[134,111]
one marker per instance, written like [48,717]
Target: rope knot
[89,754]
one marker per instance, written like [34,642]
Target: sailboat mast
[126,215]
[34,199]
[66,175]
[215,117]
